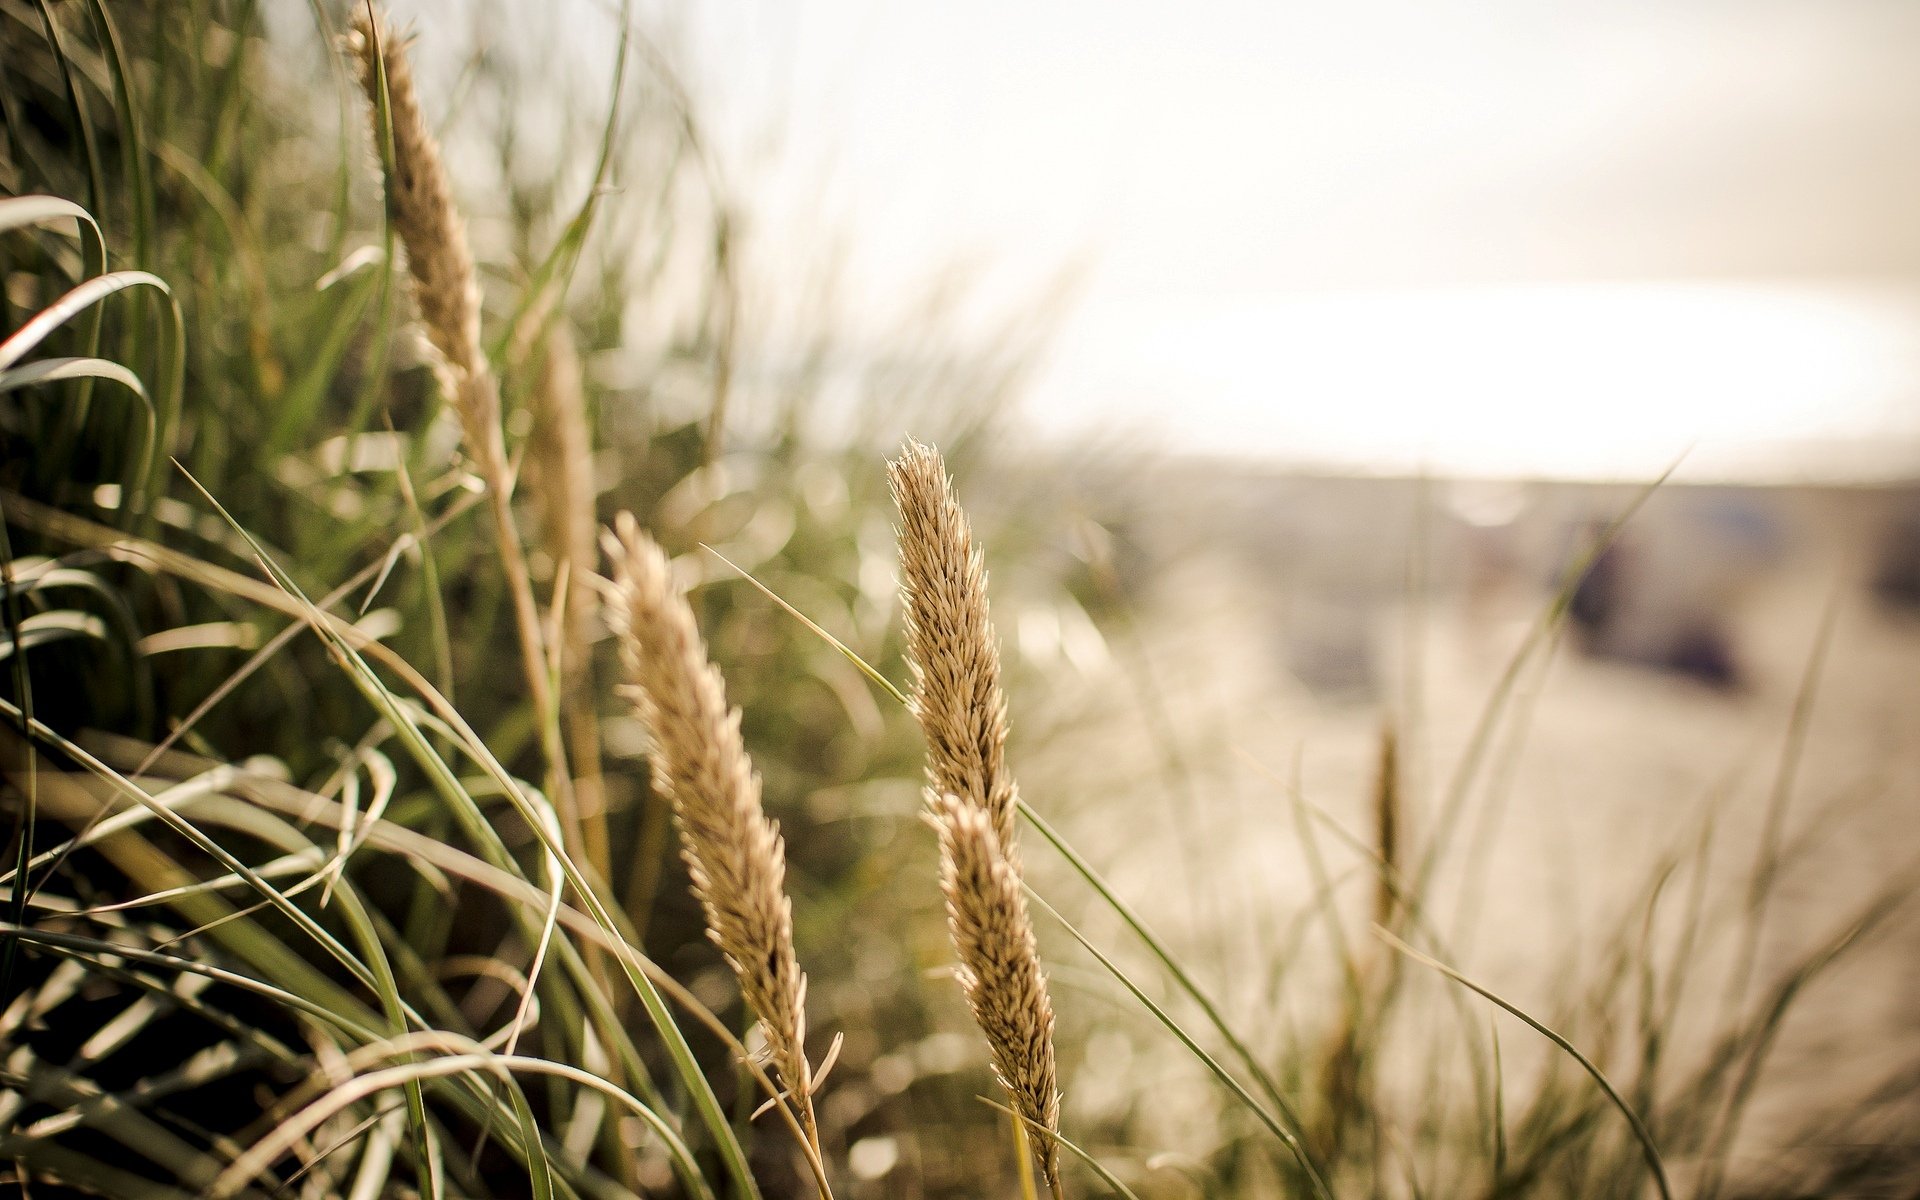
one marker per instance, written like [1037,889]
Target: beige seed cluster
[971,795]
[950,643]
[733,852]
[420,204]
[1000,966]
[559,473]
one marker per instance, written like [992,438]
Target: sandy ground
[1274,644]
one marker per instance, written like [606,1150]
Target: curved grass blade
[76,300]
[449,787]
[61,625]
[17,212]
[93,252]
[82,298]
[55,370]
[1093,1164]
[1287,1137]
[1640,1132]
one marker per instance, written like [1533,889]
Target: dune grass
[338,861]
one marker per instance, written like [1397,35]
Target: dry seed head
[1386,826]
[733,853]
[950,642]
[558,474]
[420,204]
[1000,964]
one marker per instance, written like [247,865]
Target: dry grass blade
[734,854]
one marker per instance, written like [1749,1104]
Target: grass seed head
[734,854]
[1000,971]
[950,642]
[446,288]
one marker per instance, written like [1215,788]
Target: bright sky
[1488,235]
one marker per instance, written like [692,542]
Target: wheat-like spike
[447,292]
[950,642]
[446,288]
[733,852]
[1000,966]
[1386,827]
[558,477]
[972,797]
[558,474]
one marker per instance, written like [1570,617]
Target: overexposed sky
[1293,225]
[1252,146]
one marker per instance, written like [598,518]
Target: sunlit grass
[294,900]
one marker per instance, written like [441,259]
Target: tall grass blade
[1640,1133]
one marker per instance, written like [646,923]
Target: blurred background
[1461,237]
[1362,323]
[1470,434]
[1365,321]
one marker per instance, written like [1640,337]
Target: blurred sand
[1277,634]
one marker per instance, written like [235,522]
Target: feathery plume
[1000,966]
[971,794]
[950,642]
[446,288]
[1386,827]
[558,477]
[733,852]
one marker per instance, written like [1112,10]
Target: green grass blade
[1093,1164]
[712,1114]
[1640,1133]
[1287,1137]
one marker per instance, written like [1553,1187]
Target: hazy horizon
[1238,193]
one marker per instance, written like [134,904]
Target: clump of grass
[734,854]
